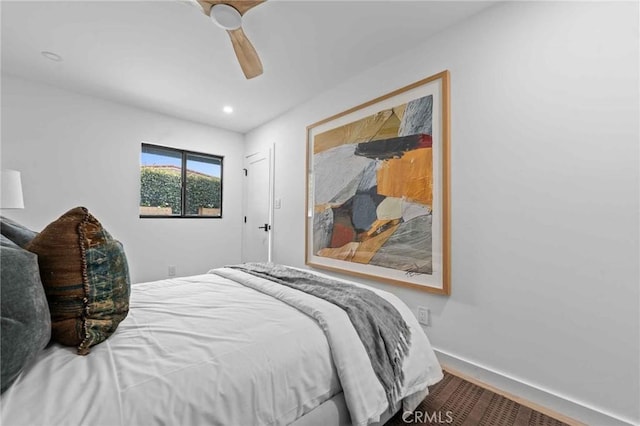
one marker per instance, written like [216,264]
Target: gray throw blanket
[382,330]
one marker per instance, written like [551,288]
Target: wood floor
[455,401]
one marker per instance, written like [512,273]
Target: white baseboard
[533,394]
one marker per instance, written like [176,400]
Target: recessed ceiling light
[228,109]
[51,56]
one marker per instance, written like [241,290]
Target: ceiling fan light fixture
[225,16]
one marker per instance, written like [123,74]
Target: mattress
[193,350]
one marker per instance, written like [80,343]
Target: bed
[208,349]
[249,344]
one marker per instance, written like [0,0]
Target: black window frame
[183,184]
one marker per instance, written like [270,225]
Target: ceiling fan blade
[206,6]
[247,56]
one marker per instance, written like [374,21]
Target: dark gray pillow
[16,232]
[5,242]
[24,313]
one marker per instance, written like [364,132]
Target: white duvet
[364,395]
[199,350]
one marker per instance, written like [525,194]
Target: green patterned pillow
[86,278]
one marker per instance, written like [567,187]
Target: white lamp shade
[11,195]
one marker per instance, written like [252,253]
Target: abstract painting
[378,188]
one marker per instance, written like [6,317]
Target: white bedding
[363,393]
[194,350]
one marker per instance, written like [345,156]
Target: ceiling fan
[227,14]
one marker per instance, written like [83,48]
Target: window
[178,183]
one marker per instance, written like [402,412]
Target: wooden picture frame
[378,190]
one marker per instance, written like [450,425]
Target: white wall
[76,150]
[545,193]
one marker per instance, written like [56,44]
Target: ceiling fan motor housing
[225,16]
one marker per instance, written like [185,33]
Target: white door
[256,244]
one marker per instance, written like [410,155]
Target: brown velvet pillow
[86,279]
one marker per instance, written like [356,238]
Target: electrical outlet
[172,271]
[423,315]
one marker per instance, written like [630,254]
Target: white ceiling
[167,56]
